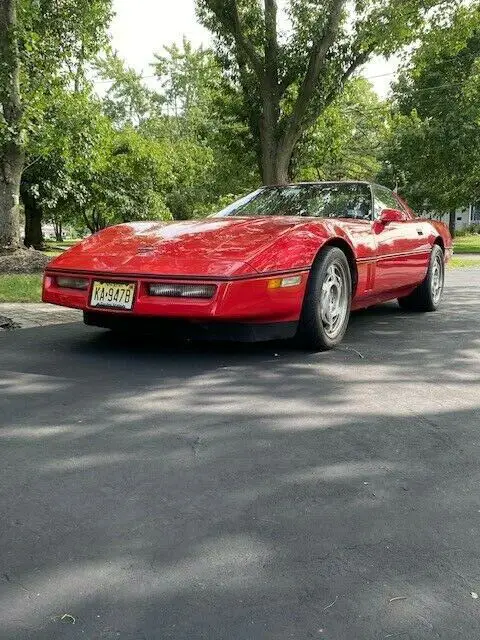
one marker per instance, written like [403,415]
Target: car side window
[342,201]
[383,198]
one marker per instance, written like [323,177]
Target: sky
[142,27]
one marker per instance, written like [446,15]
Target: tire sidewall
[436,253]
[312,329]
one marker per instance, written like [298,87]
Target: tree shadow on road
[204,491]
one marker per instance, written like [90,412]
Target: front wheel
[327,303]
[428,295]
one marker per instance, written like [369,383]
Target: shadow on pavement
[243,491]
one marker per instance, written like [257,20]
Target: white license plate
[114,295]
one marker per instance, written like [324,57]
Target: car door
[403,250]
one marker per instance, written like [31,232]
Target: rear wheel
[428,295]
[327,303]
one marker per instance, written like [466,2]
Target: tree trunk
[33,221]
[57,224]
[33,229]
[274,156]
[452,222]
[11,165]
[275,162]
[12,155]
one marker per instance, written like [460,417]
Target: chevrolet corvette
[282,262]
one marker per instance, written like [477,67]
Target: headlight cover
[174,290]
[65,282]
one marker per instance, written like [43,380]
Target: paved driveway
[243,493]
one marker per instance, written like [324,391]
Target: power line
[381,75]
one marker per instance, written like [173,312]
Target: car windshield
[335,200]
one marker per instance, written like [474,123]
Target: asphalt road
[155,491]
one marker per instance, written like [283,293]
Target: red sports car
[284,261]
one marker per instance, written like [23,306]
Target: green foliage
[127,100]
[222,118]
[125,181]
[188,76]
[347,139]
[203,120]
[288,80]
[97,162]
[45,46]
[89,174]
[55,41]
[434,148]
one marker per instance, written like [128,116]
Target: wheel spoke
[333,300]
[437,279]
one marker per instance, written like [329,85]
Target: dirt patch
[23,261]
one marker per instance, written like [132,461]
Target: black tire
[330,277]
[428,295]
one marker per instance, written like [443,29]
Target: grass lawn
[54,248]
[457,262]
[20,288]
[467,244]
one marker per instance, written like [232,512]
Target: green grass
[464,263]
[20,288]
[467,244]
[54,248]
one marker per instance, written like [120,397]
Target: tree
[12,149]
[434,149]
[43,45]
[73,130]
[202,110]
[126,181]
[287,82]
[187,76]
[347,140]
[127,100]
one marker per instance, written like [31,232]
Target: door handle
[420,231]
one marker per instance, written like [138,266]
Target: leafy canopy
[291,70]
[434,149]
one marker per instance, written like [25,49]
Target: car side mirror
[391,215]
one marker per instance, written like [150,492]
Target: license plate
[115,295]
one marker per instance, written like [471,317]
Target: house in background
[464,218]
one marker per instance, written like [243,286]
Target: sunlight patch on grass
[467,244]
[464,263]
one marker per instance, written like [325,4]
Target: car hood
[211,247]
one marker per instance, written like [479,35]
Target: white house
[465,217]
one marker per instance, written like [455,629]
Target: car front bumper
[243,300]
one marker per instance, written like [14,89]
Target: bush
[471,230]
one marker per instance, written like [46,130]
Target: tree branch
[226,12]
[253,57]
[271,44]
[318,54]
[357,62]
[30,164]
